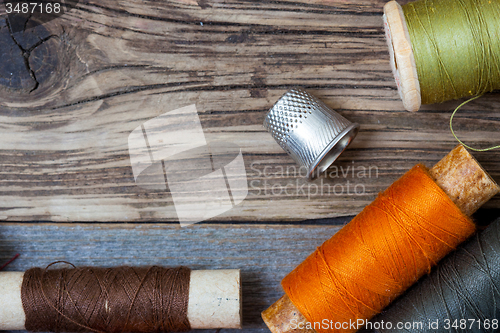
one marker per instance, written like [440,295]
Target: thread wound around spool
[310,132]
[383,250]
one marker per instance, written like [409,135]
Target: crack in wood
[26,52]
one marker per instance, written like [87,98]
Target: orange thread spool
[379,254]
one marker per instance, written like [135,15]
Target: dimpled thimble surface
[310,132]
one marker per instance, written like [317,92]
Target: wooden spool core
[458,174]
[401,56]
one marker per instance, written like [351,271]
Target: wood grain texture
[250,248]
[116,64]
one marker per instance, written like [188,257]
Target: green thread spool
[443,50]
[456,45]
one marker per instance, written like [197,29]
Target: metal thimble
[309,131]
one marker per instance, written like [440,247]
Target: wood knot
[25,15]
[29,57]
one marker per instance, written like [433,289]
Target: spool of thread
[121,299]
[442,50]
[384,249]
[461,295]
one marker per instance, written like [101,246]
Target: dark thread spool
[465,286]
[121,299]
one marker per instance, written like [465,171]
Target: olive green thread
[456,45]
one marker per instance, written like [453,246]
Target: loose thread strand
[9,261]
[453,132]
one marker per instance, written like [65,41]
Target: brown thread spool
[214,300]
[462,179]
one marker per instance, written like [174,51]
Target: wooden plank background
[106,67]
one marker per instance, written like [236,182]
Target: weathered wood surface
[106,67]
[253,249]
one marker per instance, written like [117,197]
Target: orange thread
[379,254]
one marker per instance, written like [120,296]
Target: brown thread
[121,299]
